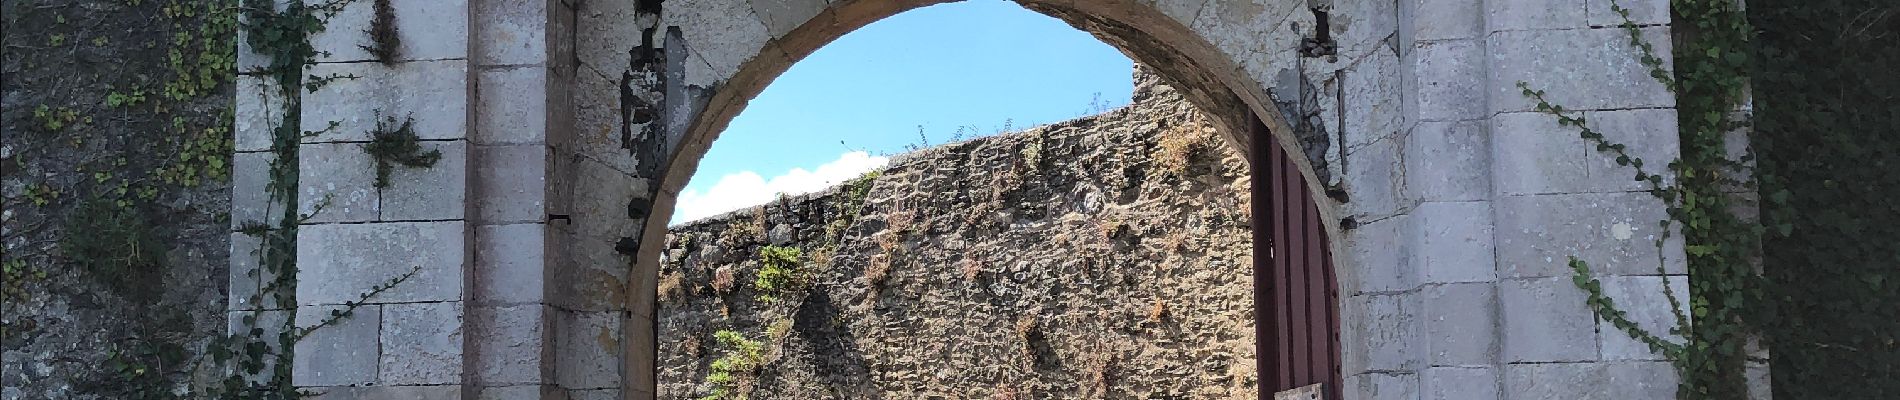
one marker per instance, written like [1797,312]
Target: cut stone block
[511,345]
[250,191]
[1650,135]
[1545,320]
[588,347]
[1641,297]
[1375,180]
[535,392]
[433,193]
[1382,386]
[1446,83]
[512,106]
[781,16]
[443,392]
[1596,69]
[1590,381]
[1616,233]
[1454,242]
[259,109]
[344,353]
[1533,155]
[434,93]
[1459,383]
[426,30]
[511,263]
[262,326]
[1449,161]
[338,183]
[246,276]
[1520,15]
[1461,327]
[1382,333]
[730,33]
[422,343]
[338,263]
[1445,19]
[1370,110]
[512,183]
[514,32]
[1381,256]
[1643,12]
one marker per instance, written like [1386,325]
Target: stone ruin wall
[1105,257]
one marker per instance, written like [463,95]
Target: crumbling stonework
[1102,257]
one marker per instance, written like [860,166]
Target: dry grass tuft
[724,279]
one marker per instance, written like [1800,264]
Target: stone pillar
[521,70]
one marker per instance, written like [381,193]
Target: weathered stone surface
[337,183]
[1596,70]
[512,106]
[1642,298]
[1643,12]
[1520,15]
[510,264]
[514,32]
[1381,333]
[1448,161]
[435,93]
[719,34]
[781,16]
[1182,11]
[1458,383]
[1454,242]
[1649,134]
[422,343]
[511,346]
[1461,327]
[511,184]
[441,392]
[597,394]
[1590,381]
[1545,320]
[426,29]
[1443,19]
[1368,111]
[1375,180]
[259,109]
[1382,254]
[536,392]
[1382,386]
[589,349]
[341,354]
[1240,30]
[269,323]
[1443,74]
[245,274]
[1615,233]
[1361,26]
[1533,155]
[250,190]
[337,263]
[432,193]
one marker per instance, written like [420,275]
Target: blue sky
[976,64]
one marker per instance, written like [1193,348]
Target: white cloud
[747,188]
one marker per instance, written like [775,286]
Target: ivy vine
[1711,59]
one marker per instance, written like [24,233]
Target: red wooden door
[1296,317]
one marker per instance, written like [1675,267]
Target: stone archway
[566,127]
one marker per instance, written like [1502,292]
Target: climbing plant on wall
[1710,184]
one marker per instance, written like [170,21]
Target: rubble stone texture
[588,117]
[1133,257]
